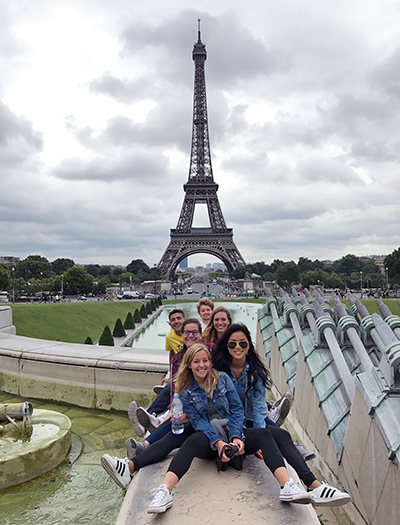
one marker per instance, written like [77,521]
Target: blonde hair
[209,334]
[184,377]
[204,302]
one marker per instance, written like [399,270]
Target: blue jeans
[159,432]
[162,401]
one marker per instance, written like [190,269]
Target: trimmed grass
[69,322]
[73,322]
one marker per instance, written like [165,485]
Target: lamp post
[62,285]
[361,283]
[41,286]
[387,281]
[13,294]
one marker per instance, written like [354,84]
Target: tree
[137,317]
[106,338]
[119,330]
[59,266]
[143,312]
[77,280]
[305,265]
[33,266]
[392,263]
[136,265]
[148,308]
[88,341]
[101,285]
[93,269]
[129,323]
[5,277]
[287,274]
[348,265]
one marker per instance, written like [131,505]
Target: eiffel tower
[185,240]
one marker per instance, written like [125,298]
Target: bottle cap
[176,395]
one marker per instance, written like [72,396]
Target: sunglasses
[242,344]
[188,332]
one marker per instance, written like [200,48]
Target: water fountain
[37,443]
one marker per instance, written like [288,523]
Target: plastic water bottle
[176,413]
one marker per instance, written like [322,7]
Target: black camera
[230,450]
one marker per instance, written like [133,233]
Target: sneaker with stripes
[118,469]
[328,496]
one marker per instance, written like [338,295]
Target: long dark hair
[222,359]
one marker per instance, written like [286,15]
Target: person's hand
[259,455]
[239,443]
[220,445]
[164,381]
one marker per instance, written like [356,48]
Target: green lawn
[73,322]
[69,322]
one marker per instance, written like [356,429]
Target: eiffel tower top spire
[200,158]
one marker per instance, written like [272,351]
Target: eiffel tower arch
[200,188]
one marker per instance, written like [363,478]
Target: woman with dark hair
[236,356]
[219,321]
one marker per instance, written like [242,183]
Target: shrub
[119,330]
[137,317]
[129,323]
[143,312]
[148,308]
[106,338]
[88,341]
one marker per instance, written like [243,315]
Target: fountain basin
[47,447]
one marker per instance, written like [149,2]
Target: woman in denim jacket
[235,354]
[207,394]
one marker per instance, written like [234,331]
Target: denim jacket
[226,402]
[256,408]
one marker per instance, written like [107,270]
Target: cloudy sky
[96,114]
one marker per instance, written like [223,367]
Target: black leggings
[160,449]
[285,444]
[282,444]
[198,446]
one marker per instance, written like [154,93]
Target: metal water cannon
[15,411]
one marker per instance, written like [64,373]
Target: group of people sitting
[222,384]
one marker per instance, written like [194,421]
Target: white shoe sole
[159,510]
[301,500]
[338,502]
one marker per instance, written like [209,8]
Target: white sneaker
[158,388]
[140,431]
[118,469]
[162,500]
[147,420]
[293,493]
[325,495]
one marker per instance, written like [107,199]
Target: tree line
[36,273]
[349,271]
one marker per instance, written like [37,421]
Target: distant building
[9,260]
[184,264]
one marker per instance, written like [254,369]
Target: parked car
[129,295]
[149,296]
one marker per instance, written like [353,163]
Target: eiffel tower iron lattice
[185,240]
